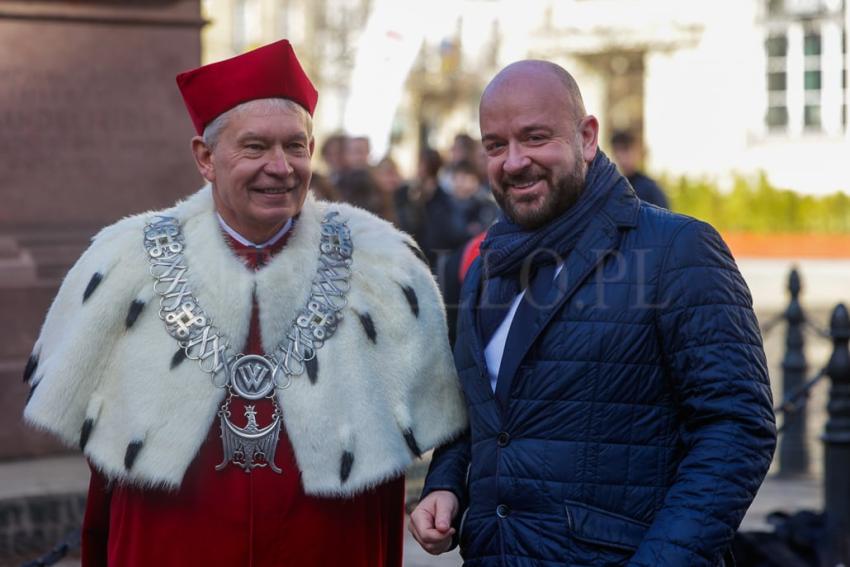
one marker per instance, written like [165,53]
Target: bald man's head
[523,74]
[538,139]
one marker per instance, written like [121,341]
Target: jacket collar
[622,206]
[600,238]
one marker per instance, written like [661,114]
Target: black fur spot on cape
[411,442]
[368,326]
[345,466]
[418,253]
[133,312]
[133,450]
[29,369]
[178,357]
[93,283]
[85,432]
[32,390]
[410,295]
[312,369]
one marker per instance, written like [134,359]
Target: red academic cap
[271,71]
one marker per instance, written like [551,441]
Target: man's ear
[203,158]
[312,145]
[589,132]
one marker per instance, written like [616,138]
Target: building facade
[712,88]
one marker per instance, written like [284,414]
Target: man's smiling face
[260,168]
[537,151]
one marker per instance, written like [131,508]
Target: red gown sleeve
[95,532]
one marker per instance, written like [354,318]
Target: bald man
[619,404]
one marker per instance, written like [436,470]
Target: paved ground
[825,282]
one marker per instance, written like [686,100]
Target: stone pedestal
[92,128]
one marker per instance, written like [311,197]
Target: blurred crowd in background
[446,206]
[443,205]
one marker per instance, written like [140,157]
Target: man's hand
[431,521]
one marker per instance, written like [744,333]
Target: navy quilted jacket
[638,424]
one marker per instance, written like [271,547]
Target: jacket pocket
[595,526]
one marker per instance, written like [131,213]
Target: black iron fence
[70,542]
[29,525]
[828,533]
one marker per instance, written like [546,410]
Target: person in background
[358,187]
[477,207]
[477,210]
[464,148]
[357,150]
[333,153]
[323,189]
[249,372]
[390,184]
[627,156]
[428,213]
[619,403]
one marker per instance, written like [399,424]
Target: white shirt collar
[245,242]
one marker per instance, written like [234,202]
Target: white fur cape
[145,422]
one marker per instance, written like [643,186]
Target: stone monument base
[92,128]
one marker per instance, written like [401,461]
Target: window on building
[775,7]
[844,79]
[803,65]
[777,81]
[812,80]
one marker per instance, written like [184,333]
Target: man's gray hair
[213,129]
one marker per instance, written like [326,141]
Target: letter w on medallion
[252,376]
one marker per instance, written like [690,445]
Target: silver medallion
[252,376]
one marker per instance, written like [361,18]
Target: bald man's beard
[563,192]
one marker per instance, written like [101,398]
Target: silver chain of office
[251,377]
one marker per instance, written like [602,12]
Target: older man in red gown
[249,372]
